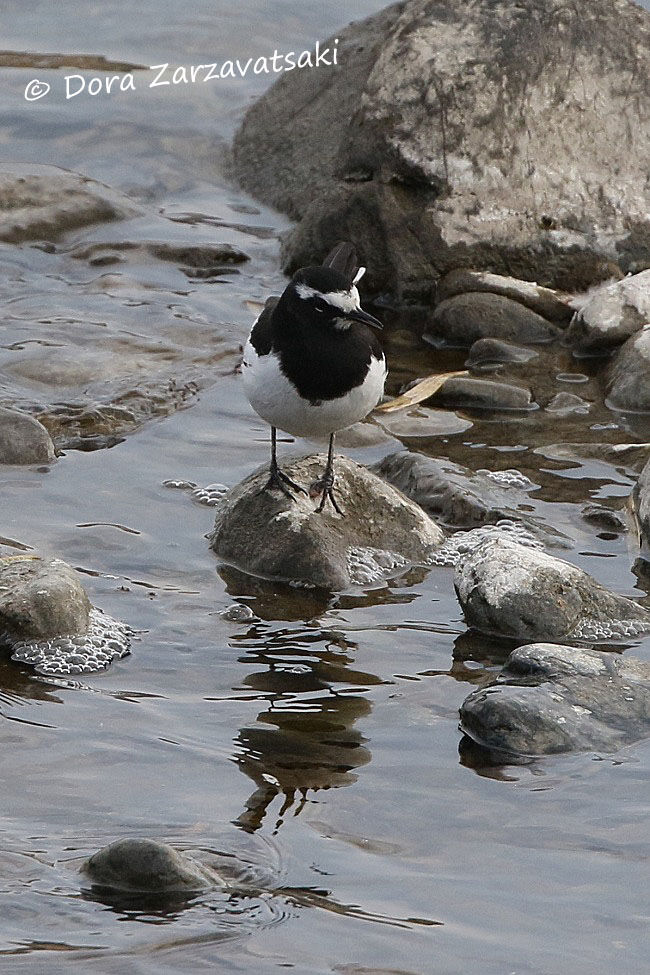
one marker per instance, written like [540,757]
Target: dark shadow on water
[490,763]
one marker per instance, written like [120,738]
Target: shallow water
[316,745]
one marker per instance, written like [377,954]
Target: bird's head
[325,297]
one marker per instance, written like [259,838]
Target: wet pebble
[148,866]
[464,319]
[489,353]
[23,440]
[482,394]
[564,404]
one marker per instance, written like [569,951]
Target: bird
[312,366]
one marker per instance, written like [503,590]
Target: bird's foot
[324,487]
[277,481]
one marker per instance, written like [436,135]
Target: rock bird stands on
[311,366]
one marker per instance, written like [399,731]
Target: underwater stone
[266,534]
[551,698]
[148,866]
[518,591]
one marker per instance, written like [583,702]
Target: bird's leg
[277,478]
[325,486]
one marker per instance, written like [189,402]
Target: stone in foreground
[522,592]
[551,698]
[23,440]
[47,621]
[266,534]
[147,866]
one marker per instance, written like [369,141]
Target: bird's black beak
[359,315]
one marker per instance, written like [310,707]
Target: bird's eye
[320,304]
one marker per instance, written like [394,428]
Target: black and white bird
[311,365]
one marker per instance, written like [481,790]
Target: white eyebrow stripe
[360,273]
[343,300]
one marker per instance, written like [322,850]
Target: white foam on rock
[368,565]
[459,545]
[106,640]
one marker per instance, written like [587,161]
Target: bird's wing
[343,258]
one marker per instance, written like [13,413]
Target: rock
[545,302]
[39,202]
[451,494]
[265,534]
[489,353]
[629,377]
[41,599]
[421,423]
[632,456]
[440,141]
[642,509]
[47,621]
[23,440]
[611,315]
[481,394]
[564,404]
[462,320]
[147,866]
[607,519]
[522,592]
[551,698]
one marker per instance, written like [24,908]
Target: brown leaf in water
[420,392]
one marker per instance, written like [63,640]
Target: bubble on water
[590,630]
[237,613]
[463,543]
[179,484]
[210,495]
[106,640]
[511,478]
[368,565]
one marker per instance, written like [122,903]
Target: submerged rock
[39,202]
[147,866]
[544,301]
[266,534]
[23,440]
[462,320]
[642,508]
[627,455]
[611,315]
[47,621]
[564,404]
[522,592]
[489,353]
[441,131]
[629,383]
[482,394]
[551,698]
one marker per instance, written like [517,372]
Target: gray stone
[147,866]
[41,599]
[607,519]
[551,698]
[525,593]
[564,404]
[39,202]
[440,141]
[642,510]
[611,315]
[23,440]
[629,378]
[488,353]
[266,534]
[544,301]
[482,394]
[462,320]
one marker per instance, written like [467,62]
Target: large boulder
[525,593]
[267,534]
[23,440]
[629,378]
[611,315]
[500,136]
[550,699]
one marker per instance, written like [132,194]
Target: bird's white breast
[276,399]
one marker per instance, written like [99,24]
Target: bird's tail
[343,258]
